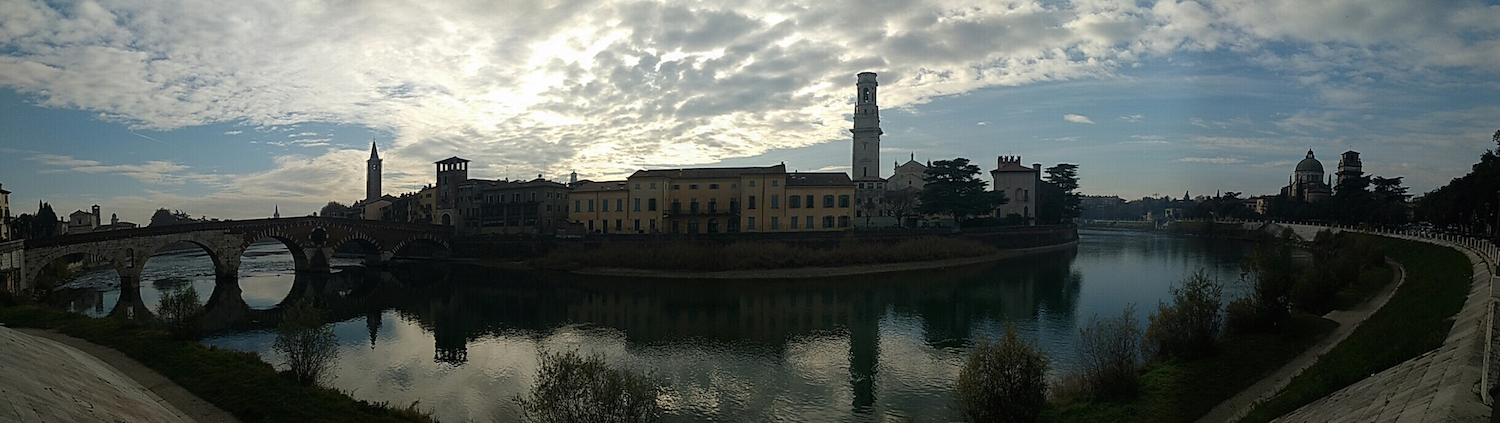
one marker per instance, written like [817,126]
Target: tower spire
[372,174]
[277,213]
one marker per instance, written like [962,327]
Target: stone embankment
[46,380]
[825,272]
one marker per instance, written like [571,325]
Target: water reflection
[464,340]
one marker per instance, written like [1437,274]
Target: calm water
[463,341]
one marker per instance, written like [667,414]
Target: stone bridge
[311,240]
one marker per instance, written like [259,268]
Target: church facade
[1306,183]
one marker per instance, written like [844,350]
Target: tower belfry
[372,176]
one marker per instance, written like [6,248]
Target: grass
[1417,319]
[1184,391]
[237,382]
[713,256]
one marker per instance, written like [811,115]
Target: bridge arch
[299,255]
[357,237]
[423,239]
[50,259]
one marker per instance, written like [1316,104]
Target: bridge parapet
[312,241]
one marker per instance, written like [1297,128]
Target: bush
[1240,317]
[180,311]
[307,345]
[571,388]
[1108,351]
[1187,328]
[1316,291]
[1273,275]
[1004,382]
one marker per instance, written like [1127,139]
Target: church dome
[1310,164]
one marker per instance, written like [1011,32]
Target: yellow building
[716,200]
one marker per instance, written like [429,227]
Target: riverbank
[48,380]
[239,383]
[824,272]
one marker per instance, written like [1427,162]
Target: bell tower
[372,175]
[866,164]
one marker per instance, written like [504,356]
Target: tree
[333,209]
[1004,381]
[1469,202]
[1057,202]
[953,188]
[1187,328]
[180,311]
[571,388]
[901,202]
[306,343]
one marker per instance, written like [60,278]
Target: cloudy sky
[225,109]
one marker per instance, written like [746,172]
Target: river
[464,340]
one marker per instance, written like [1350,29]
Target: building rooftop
[804,179]
[708,172]
[600,186]
[451,160]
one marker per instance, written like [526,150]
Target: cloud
[1212,160]
[1077,118]
[983,123]
[233,132]
[607,87]
[151,172]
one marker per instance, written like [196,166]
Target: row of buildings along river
[694,200]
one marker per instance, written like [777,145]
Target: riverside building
[716,200]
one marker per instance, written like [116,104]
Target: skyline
[225,110]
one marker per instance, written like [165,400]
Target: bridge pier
[318,259]
[130,306]
[226,308]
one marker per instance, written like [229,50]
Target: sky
[231,109]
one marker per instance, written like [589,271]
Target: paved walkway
[1439,386]
[1235,408]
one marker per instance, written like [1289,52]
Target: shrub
[1187,328]
[180,311]
[571,388]
[1108,351]
[1003,382]
[307,345]
[1240,317]
[1272,274]
[1316,291]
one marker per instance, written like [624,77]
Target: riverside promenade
[42,380]
[1448,384]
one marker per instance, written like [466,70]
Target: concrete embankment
[46,381]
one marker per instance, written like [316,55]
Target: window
[713,186]
[774,224]
[1028,195]
[618,226]
[713,205]
[676,186]
[676,207]
[694,206]
[733,186]
[604,205]
[692,226]
[828,221]
[653,224]
[516,197]
[750,223]
[751,204]
[809,201]
[828,201]
[844,201]
[775,182]
[794,202]
[843,221]
[775,201]
[651,204]
[750,183]
[637,225]
[591,205]
[619,204]
[638,207]
[653,185]
[533,196]
[637,186]
[794,220]
[809,222]
[692,186]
